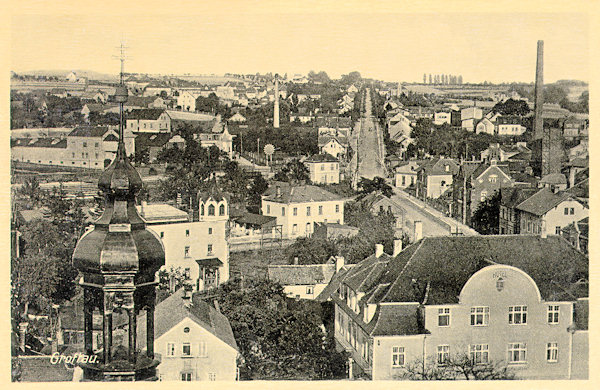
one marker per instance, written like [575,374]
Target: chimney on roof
[340,261]
[571,177]
[544,233]
[418,234]
[397,247]
[144,206]
[22,332]
[378,250]
[278,191]
[295,261]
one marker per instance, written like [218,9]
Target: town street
[370,144]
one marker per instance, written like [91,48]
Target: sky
[495,47]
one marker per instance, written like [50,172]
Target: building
[218,136]
[186,100]
[323,168]
[406,174]
[334,145]
[304,281]
[578,235]
[194,339]
[547,212]
[155,142]
[153,120]
[519,301]
[197,244]
[469,117]
[434,177]
[237,118]
[510,217]
[399,127]
[485,126]
[332,231]
[441,117]
[377,203]
[474,184]
[510,126]
[299,207]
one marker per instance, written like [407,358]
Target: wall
[220,359]
[299,291]
[324,172]
[382,355]
[557,217]
[581,354]
[434,185]
[288,220]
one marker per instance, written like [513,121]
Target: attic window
[447,168]
[186,330]
[500,284]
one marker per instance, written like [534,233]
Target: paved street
[370,144]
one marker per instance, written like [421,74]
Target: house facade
[152,120]
[434,177]
[324,169]
[336,146]
[406,175]
[298,208]
[425,306]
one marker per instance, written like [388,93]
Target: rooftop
[298,194]
[161,212]
[297,275]
[543,201]
[89,131]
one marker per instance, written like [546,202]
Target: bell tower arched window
[201,209]
[211,209]
[222,209]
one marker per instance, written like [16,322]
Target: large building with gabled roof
[516,301]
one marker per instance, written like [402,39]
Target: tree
[486,218]
[456,367]
[311,250]
[293,172]
[512,107]
[32,192]
[367,186]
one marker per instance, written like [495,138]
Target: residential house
[155,142]
[469,117]
[304,281]
[298,207]
[186,100]
[547,212]
[474,183]
[153,120]
[572,127]
[323,168]
[485,126]
[406,174]
[237,117]
[441,117]
[515,301]
[577,233]
[194,340]
[334,145]
[333,122]
[510,217]
[434,177]
[504,153]
[510,126]
[332,230]
[301,117]
[554,181]
[377,203]
[154,89]
[399,127]
[195,242]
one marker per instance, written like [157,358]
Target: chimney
[339,262]
[544,233]
[278,191]
[378,250]
[529,170]
[397,247]
[22,333]
[571,177]
[295,260]
[538,127]
[418,230]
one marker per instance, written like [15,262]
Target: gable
[493,170]
[197,334]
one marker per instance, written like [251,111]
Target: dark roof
[59,143]
[210,262]
[88,131]
[334,121]
[322,157]
[293,275]
[512,196]
[174,309]
[333,283]
[370,200]
[298,194]
[484,166]
[581,189]
[543,201]
[396,320]
[582,312]
[147,140]
[253,219]
[554,178]
[145,114]
[436,167]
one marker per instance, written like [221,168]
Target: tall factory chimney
[276,108]
[538,127]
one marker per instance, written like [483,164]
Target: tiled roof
[145,114]
[554,178]
[59,143]
[325,138]
[543,201]
[146,140]
[174,309]
[436,167]
[484,166]
[295,275]
[333,283]
[322,157]
[396,320]
[253,219]
[512,196]
[581,189]
[89,131]
[298,194]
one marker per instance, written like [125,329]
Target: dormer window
[447,168]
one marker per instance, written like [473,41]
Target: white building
[334,145]
[406,174]
[510,129]
[441,117]
[187,100]
[297,208]
[324,169]
[469,116]
[304,281]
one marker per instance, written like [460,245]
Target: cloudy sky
[394,45]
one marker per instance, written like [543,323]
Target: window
[209,230]
[572,210]
[308,211]
[337,208]
[493,178]
[295,228]
[403,180]
[447,168]
[186,330]
[170,349]
[72,153]
[443,354]
[222,209]
[517,315]
[552,352]
[397,356]
[186,251]
[479,353]
[210,248]
[295,211]
[480,315]
[201,209]
[96,144]
[283,211]
[186,274]
[320,210]
[566,211]
[483,195]
[308,227]
[322,167]
[517,352]
[82,155]
[187,232]
[557,230]
[310,290]
[444,316]
[186,376]
[211,209]
[202,352]
[186,349]
[162,234]
[212,376]
[553,311]
[85,144]
[268,209]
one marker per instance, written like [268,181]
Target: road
[370,144]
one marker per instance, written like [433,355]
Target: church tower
[118,260]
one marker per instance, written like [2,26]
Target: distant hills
[89,74]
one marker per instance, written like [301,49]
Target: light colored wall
[288,220]
[508,129]
[581,354]
[557,217]
[299,291]
[334,149]
[332,175]
[410,178]
[434,185]
[220,359]
[382,355]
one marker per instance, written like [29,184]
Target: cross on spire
[122,57]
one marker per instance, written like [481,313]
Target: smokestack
[397,247]
[276,107]
[22,332]
[418,230]
[538,128]
[295,261]
[378,250]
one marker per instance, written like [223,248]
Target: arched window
[211,209]
[201,209]
[222,209]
